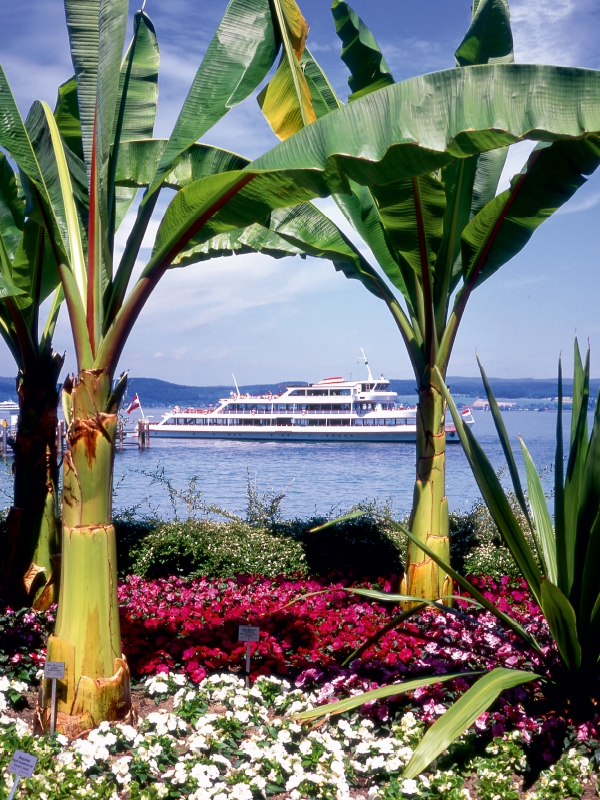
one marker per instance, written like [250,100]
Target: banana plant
[437,235]
[320,159]
[28,276]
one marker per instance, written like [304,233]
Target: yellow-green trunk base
[84,703]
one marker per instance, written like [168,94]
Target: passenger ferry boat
[331,410]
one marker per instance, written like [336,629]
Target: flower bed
[177,634]
[221,741]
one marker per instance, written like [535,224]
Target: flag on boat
[135,403]
[465,413]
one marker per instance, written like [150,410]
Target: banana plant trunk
[33,525]
[429,516]
[87,636]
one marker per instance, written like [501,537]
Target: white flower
[120,769]
[337,768]
[409,786]
[179,679]
[284,737]
[305,747]
[241,791]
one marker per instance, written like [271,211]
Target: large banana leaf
[286,101]
[323,97]
[353,143]
[462,714]
[137,101]
[97,35]
[360,52]
[489,38]
[139,159]
[503,227]
[12,207]
[66,114]
[238,58]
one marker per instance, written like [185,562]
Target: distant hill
[154,392]
[8,389]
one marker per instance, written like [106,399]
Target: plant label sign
[22,764]
[248,633]
[54,669]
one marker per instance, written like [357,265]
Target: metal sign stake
[53,670]
[14,787]
[53,707]
[247,665]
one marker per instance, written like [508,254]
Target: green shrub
[218,549]
[476,546]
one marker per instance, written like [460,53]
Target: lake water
[319,476]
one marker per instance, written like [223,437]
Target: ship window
[338,392]
[366,387]
[298,393]
[358,422]
[190,421]
[381,387]
[399,422]
[170,421]
[317,392]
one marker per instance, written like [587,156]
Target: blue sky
[270,320]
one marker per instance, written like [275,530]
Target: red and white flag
[135,403]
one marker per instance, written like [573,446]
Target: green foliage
[477,546]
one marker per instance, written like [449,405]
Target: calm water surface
[320,476]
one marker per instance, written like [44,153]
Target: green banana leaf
[360,52]
[12,208]
[462,714]
[489,38]
[139,159]
[286,101]
[137,102]
[323,97]
[503,227]
[66,113]
[238,58]
[97,36]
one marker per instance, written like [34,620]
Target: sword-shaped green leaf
[544,534]
[377,694]
[462,714]
[562,622]
[495,499]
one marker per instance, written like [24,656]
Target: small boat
[331,410]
